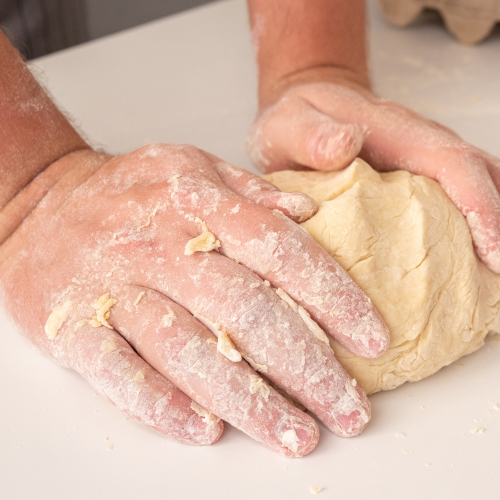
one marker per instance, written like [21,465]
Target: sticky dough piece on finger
[185,351]
[108,362]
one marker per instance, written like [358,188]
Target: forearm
[297,36]
[33,135]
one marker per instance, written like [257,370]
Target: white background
[191,78]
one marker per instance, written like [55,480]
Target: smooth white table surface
[191,78]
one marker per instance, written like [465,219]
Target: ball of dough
[409,249]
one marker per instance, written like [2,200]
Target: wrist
[56,182]
[34,134]
[271,91]
[299,37]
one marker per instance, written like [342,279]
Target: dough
[409,249]
[205,242]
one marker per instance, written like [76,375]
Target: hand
[323,120]
[101,277]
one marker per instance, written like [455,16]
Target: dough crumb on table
[315,490]
[477,430]
[409,249]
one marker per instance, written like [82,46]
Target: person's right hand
[120,226]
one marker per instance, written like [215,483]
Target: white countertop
[191,78]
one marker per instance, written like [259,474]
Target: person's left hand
[108,262]
[323,120]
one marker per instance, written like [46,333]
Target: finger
[493,165]
[285,255]
[480,205]
[411,143]
[278,250]
[297,206]
[186,352]
[111,366]
[293,134]
[268,333]
[398,138]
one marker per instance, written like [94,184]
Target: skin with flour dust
[172,328]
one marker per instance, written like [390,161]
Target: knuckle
[470,155]
[464,158]
[332,145]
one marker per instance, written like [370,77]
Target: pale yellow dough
[409,249]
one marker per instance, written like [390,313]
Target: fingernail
[299,206]
[378,346]
[369,333]
[298,437]
[353,424]
[334,146]
[354,414]
[202,432]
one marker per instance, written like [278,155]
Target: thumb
[293,134]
